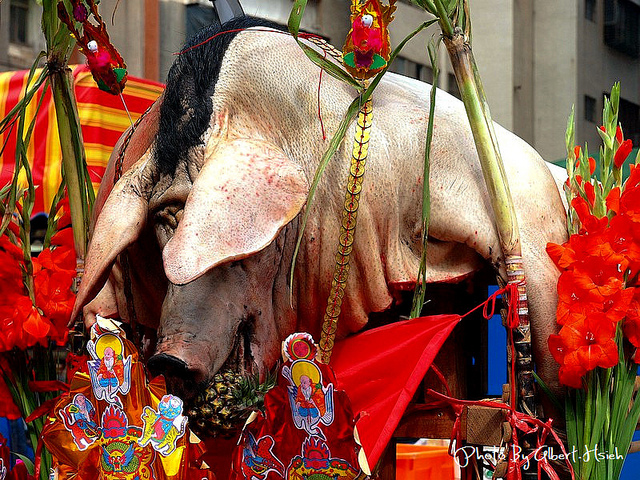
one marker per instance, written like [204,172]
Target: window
[629,118]
[590,10]
[622,26]
[408,68]
[589,109]
[18,15]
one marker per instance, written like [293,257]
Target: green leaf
[27,462]
[420,291]
[295,17]
[547,391]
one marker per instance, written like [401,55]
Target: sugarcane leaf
[626,434]
[420,291]
[572,423]
[295,18]
[338,137]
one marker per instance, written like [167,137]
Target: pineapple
[225,404]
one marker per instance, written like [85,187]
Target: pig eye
[166,221]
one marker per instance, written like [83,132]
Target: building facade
[537,58]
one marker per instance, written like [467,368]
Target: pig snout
[181,380]
[195,337]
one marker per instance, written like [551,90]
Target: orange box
[423,462]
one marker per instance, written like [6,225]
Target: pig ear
[246,192]
[119,224]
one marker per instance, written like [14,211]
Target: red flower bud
[619,136]
[576,151]
[622,153]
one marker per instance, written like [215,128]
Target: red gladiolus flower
[591,224]
[613,200]
[622,153]
[8,408]
[601,280]
[619,136]
[571,373]
[562,255]
[592,165]
[591,341]
[624,238]
[590,192]
[631,324]
[573,303]
[617,306]
[634,178]
[33,322]
[62,258]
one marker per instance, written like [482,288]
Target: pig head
[209,209]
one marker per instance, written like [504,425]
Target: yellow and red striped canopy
[102,116]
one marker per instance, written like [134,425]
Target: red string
[246,29]
[441,377]
[489,305]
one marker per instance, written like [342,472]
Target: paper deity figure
[163,428]
[110,372]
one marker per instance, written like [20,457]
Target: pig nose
[181,380]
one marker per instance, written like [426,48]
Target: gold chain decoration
[347,231]
[326,47]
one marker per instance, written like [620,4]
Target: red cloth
[381,369]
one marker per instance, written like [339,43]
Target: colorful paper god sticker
[114,424]
[307,430]
[163,428]
[110,371]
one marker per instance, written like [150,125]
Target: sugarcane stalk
[79,189]
[484,136]
[73,156]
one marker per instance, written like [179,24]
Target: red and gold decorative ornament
[367,48]
[106,65]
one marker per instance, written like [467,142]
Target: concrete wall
[4,36]
[493,42]
[173,33]
[610,65]
[127,35]
[523,70]
[555,75]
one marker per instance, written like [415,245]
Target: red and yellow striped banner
[102,116]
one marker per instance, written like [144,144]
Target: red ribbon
[518,421]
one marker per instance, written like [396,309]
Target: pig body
[216,183]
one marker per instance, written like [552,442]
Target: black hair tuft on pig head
[186,109]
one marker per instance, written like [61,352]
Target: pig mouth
[221,406]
